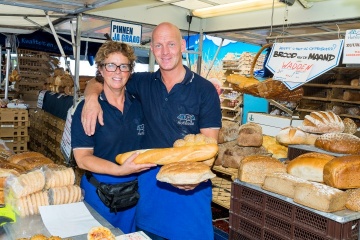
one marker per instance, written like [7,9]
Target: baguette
[170,155]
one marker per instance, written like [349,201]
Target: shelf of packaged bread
[227,104]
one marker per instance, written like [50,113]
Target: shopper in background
[176,102]
[122,132]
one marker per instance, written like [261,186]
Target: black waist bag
[116,196]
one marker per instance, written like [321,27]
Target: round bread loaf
[309,166]
[185,173]
[322,122]
[353,200]
[339,143]
[350,126]
[15,158]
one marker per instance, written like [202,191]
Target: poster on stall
[126,32]
[296,63]
[352,47]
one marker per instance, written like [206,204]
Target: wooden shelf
[331,86]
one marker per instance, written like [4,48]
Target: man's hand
[91,112]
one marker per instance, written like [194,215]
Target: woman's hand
[129,166]
[90,114]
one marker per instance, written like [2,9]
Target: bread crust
[339,143]
[169,155]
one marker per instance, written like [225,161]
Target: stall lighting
[236,7]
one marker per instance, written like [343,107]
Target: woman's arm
[92,111]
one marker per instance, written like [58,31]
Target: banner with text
[126,32]
[296,63]
[352,47]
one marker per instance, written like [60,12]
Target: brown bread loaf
[343,172]
[228,132]
[233,155]
[339,143]
[353,200]
[250,135]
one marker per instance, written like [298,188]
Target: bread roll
[276,149]
[343,172]
[281,183]
[309,166]
[169,155]
[320,197]
[292,135]
[322,122]
[228,132]
[100,233]
[339,143]
[350,126]
[184,173]
[250,135]
[253,169]
[353,200]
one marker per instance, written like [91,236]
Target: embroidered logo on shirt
[141,129]
[186,119]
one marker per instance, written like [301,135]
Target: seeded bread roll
[185,173]
[350,126]
[353,201]
[343,172]
[339,143]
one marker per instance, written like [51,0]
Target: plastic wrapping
[58,176]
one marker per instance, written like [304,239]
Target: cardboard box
[272,124]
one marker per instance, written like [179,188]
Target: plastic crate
[256,215]
[13,131]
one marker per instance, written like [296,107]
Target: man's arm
[92,110]
[211,132]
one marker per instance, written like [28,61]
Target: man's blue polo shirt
[191,105]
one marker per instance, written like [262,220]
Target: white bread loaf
[169,155]
[253,169]
[250,135]
[343,172]
[339,143]
[320,197]
[292,135]
[353,200]
[281,183]
[309,166]
[322,122]
[185,173]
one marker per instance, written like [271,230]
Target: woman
[122,131]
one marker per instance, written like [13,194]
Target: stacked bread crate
[35,67]
[14,124]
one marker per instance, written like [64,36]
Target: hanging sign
[299,62]
[126,32]
[352,47]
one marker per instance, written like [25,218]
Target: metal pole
[198,70]
[0,64]
[215,56]
[8,56]
[77,57]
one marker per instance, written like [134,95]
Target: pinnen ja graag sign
[126,32]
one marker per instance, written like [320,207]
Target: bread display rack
[258,214]
[231,103]
[337,90]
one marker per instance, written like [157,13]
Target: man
[176,102]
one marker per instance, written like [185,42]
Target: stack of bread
[187,162]
[33,180]
[324,130]
[319,181]
[242,141]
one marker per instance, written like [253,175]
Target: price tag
[293,71]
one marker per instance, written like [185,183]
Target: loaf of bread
[219,160]
[234,155]
[272,146]
[320,196]
[281,183]
[228,132]
[184,173]
[15,158]
[194,139]
[241,80]
[169,155]
[351,95]
[350,126]
[322,122]
[309,166]
[353,200]
[250,135]
[292,135]
[253,169]
[34,162]
[339,143]
[343,172]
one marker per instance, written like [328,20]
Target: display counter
[259,214]
[29,226]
